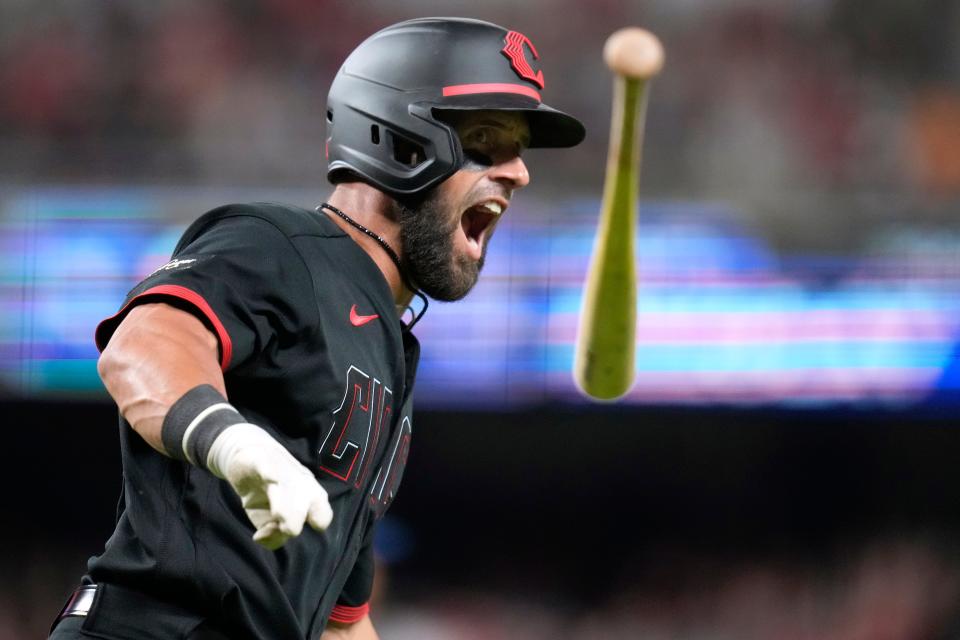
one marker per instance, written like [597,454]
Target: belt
[78,605]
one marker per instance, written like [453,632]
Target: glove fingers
[278,494]
[260,517]
[288,508]
[255,499]
[319,513]
[270,536]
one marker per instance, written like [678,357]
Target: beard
[429,258]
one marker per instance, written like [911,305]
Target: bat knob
[633,52]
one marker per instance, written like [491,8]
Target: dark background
[826,126]
[575,509]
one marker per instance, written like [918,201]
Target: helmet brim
[549,127]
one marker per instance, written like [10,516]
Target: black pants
[69,629]
[127,614]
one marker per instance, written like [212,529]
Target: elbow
[122,378]
[109,365]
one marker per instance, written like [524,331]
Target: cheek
[456,191]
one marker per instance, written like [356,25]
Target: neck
[372,209]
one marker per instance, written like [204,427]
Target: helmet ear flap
[399,148]
[406,152]
[443,133]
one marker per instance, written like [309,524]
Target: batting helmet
[385,107]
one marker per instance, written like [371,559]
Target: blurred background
[785,466]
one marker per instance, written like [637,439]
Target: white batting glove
[279,494]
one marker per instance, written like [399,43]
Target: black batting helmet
[384,103]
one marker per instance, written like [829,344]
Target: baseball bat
[603,365]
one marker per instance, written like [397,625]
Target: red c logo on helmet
[513,49]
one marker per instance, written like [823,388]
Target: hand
[278,493]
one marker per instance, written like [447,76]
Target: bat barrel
[604,360]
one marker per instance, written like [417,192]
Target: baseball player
[264,375]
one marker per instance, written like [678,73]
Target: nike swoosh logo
[358,320]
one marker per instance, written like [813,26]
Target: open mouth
[476,223]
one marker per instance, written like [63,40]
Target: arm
[156,355]
[362,629]
[161,368]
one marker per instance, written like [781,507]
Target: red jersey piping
[348,615]
[195,299]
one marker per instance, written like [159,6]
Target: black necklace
[390,252]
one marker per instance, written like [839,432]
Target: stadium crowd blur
[816,117]
[765,97]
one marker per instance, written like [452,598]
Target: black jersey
[312,350]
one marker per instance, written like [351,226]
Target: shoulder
[289,220]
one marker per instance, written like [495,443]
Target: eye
[481,136]
[478,148]
[485,145]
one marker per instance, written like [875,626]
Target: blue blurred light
[722,316]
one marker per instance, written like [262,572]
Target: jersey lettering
[388,478]
[349,450]
[364,413]
[378,420]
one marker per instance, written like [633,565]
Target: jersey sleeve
[243,278]
[354,601]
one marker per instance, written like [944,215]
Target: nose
[512,173]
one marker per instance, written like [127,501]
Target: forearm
[156,355]
[161,368]
[360,630]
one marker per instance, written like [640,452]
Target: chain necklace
[390,252]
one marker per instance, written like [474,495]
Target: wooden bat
[603,364]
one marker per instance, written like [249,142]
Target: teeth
[493,207]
